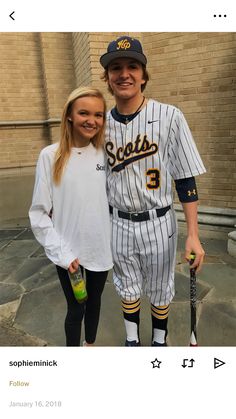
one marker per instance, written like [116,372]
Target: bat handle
[192,258]
[193,300]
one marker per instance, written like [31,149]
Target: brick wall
[194,71]
[21,80]
[22,98]
[37,75]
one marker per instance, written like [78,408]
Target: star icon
[156,363]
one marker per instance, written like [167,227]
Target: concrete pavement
[32,305]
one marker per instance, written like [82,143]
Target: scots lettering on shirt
[99,167]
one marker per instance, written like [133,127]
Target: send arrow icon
[218,363]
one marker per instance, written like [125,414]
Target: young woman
[69,214]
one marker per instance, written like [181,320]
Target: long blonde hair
[66,140]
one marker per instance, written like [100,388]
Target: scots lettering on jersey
[133,151]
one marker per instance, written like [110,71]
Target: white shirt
[80,222]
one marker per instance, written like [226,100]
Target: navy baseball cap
[123,47]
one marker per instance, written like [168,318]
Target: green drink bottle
[78,285]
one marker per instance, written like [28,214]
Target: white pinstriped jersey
[145,155]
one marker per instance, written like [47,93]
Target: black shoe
[158,344]
[132,343]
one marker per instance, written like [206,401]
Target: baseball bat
[193,302]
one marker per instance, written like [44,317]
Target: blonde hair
[66,140]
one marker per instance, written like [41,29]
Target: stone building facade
[193,71]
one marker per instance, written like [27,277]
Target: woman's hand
[74,266]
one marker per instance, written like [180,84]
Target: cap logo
[123,44]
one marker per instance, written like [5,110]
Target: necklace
[125,119]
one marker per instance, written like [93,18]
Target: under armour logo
[123,44]
[193,192]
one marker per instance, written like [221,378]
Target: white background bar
[118,382]
[111,15]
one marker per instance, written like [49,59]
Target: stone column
[58,74]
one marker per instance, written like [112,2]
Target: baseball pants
[144,255]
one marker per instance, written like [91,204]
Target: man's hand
[193,245]
[192,242]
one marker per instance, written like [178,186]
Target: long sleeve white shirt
[80,223]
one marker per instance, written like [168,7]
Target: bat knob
[192,258]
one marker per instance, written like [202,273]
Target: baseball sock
[131,312]
[159,322]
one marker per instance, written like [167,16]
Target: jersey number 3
[154,178]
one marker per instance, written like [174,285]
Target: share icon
[218,363]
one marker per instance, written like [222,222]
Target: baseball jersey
[145,155]
[80,223]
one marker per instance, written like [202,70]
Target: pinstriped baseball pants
[144,255]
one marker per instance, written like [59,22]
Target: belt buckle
[133,216]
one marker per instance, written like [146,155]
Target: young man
[148,144]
